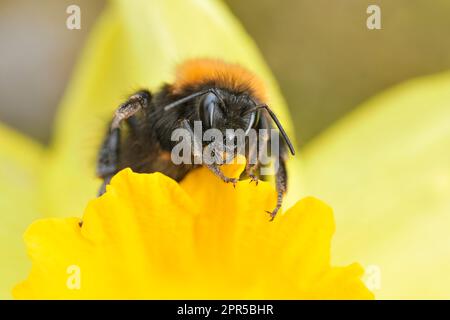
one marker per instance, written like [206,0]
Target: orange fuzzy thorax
[222,74]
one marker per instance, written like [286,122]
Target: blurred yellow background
[325,59]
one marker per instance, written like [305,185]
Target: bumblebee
[220,95]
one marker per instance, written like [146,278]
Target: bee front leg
[109,155]
[197,151]
[214,168]
[254,162]
[137,102]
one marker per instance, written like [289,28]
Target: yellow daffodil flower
[149,237]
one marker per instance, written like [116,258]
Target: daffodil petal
[137,44]
[149,237]
[20,162]
[385,169]
[116,246]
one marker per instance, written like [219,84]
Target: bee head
[222,111]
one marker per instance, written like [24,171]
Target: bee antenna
[185,99]
[277,122]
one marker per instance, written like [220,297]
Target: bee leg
[198,155]
[281,186]
[214,168]
[280,167]
[137,102]
[252,172]
[108,158]
[254,162]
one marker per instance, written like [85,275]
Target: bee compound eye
[208,108]
[252,121]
